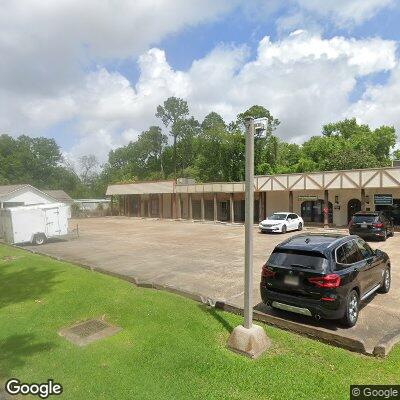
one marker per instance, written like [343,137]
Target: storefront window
[392,211]
[313,211]
[353,206]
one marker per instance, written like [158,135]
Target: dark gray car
[371,225]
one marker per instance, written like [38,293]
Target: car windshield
[298,259]
[277,217]
[359,218]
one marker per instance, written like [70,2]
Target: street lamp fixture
[249,339]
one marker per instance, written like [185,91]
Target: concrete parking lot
[207,259]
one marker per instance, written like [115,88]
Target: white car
[282,222]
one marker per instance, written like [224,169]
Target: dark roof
[59,195]
[321,243]
[7,189]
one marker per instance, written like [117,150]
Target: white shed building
[23,195]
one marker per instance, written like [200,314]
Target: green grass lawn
[170,347]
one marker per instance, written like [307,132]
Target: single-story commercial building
[330,197]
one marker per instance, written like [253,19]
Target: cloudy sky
[91,73]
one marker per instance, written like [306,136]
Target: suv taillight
[266,272]
[378,225]
[328,281]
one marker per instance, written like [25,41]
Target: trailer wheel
[39,239]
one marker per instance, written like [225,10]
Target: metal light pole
[249,222]
[249,339]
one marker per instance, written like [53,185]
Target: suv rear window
[297,258]
[359,218]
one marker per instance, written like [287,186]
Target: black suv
[325,276]
[371,225]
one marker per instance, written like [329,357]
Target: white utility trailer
[35,223]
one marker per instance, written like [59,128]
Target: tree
[172,111]
[188,130]
[220,153]
[139,160]
[348,145]
[257,111]
[381,142]
[88,166]
[262,138]
[396,155]
[29,160]
[345,129]
[213,121]
[150,146]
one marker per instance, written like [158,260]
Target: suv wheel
[284,229]
[352,309]
[386,281]
[300,226]
[384,237]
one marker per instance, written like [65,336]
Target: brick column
[291,201]
[265,206]
[139,206]
[232,207]
[326,207]
[129,198]
[173,206]
[215,208]
[260,206]
[190,206]
[179,207]
[363,204]
[203,216]
[160,206]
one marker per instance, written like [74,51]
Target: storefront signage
[383,199]
[308,198]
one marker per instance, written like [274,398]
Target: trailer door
[52,222]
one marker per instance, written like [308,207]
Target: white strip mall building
[330,197]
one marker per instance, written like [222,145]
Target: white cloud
[344,12]
[380,104]
[366,56]
[315,15]
[304,79]
[46,44]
